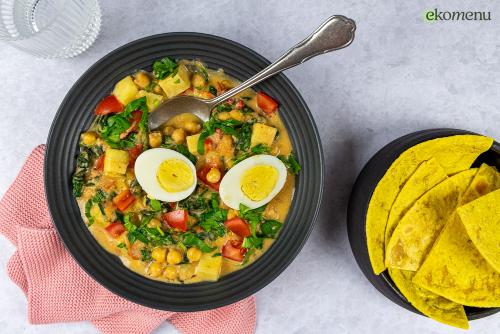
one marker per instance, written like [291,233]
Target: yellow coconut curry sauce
[196,200]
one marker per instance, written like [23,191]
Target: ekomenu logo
[437,15]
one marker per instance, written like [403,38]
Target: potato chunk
[125,90]
[209,267]
[176,84]
[262,134]
[115,162]
[152,100]
[192,143]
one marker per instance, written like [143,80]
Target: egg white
[146,168]
[230,188]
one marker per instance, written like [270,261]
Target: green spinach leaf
[270,228]
[164,67]
[291,163]
[191,239]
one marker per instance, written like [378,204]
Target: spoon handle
[335,33]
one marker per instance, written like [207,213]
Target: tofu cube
[209,267]
[115,162]
[125,90]
[175,84]
[262,134]
[192,143]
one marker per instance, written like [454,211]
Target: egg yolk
[174,175]
[258,182]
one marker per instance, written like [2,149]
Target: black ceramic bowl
[75,115]
[361,196]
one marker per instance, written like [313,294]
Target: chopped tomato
[136,116]
[123,200]
[99,163]
[266,103]
[239,105]
[115,229]
[176,219]
[209,144]
[133,153]
[135,250]
[202,175]
[233,250]
[238,226]
[108,105]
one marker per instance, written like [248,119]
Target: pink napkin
[58,290]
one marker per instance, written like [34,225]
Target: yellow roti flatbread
[454,267]
[454,154]
[481,219]
[429,303]
[416,232]
[427,175]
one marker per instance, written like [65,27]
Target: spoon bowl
[179,105]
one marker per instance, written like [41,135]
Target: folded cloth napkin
[58,290]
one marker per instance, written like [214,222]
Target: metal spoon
[335,33]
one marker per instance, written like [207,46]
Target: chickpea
[194,254]
[223,116]
[159,254]
[168,130]
[212,158]
[170,273]
[275,150]
[179,135]
[155,269]
[192,127]
[231,213]
[155,139]
[213,175]
[88,138]
[237,115]
[157,89]
[154,223]
[174,257]
[198,81]
[142,79]
[249,117]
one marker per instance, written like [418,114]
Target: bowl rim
[356,219]
[280,266]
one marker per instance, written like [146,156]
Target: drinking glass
[50,28]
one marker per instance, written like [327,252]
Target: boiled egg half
[253,182]
[165,174]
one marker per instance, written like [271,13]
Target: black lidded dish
[360,198]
